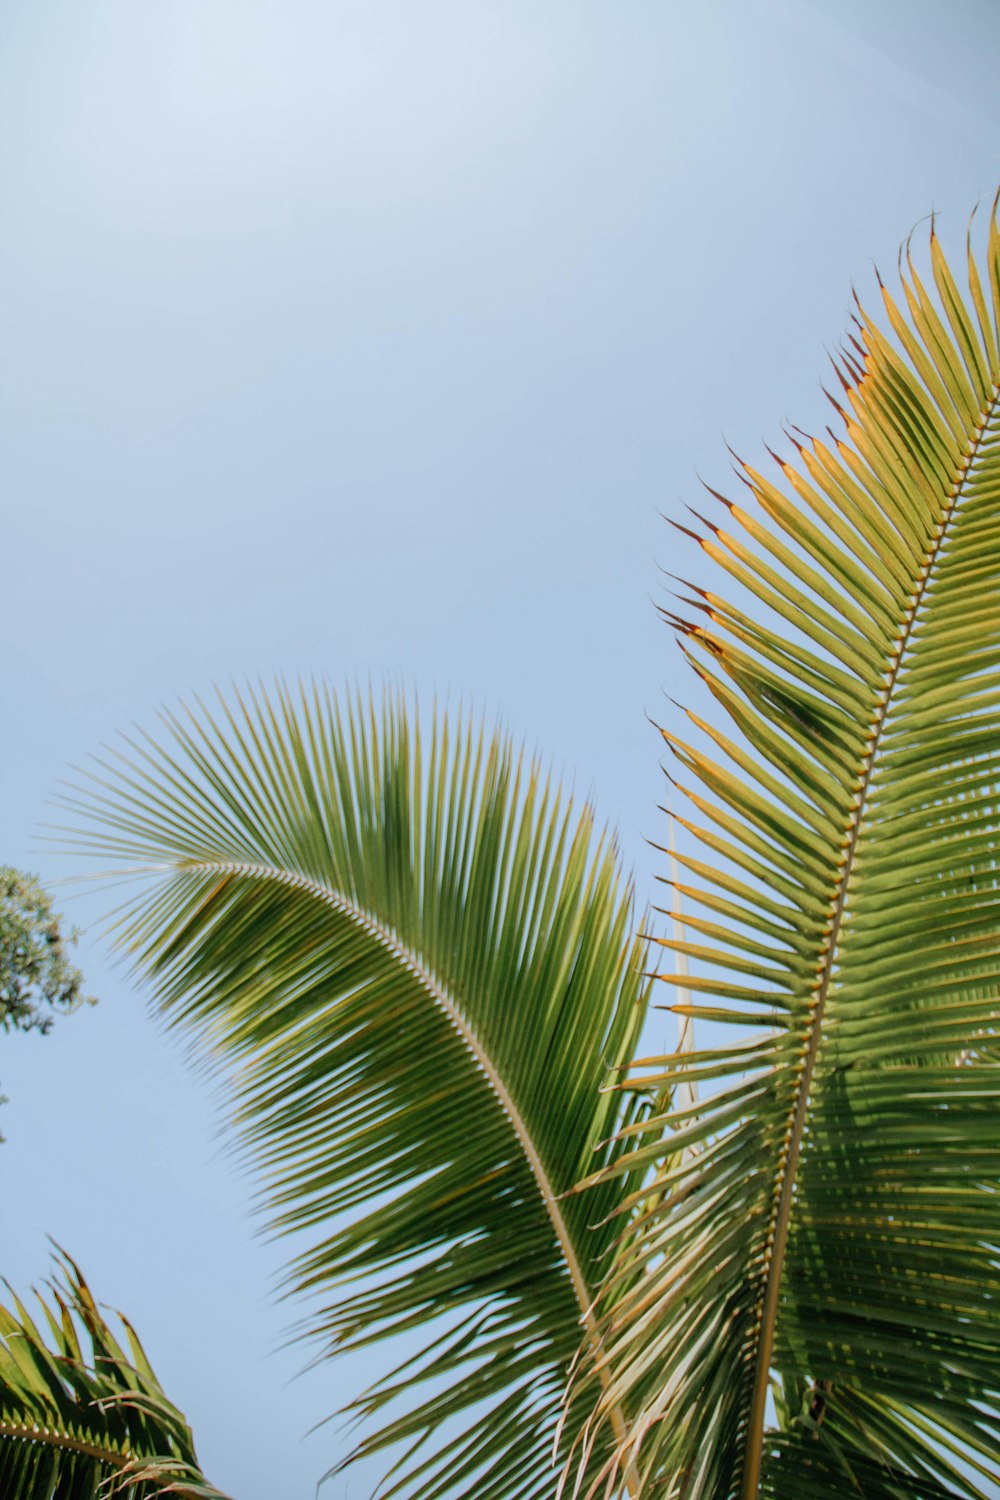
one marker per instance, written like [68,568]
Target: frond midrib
[53,1437]
[115,1458]
[391,943]
[777,1237]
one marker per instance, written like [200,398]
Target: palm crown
[424,971]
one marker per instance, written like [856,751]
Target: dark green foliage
[82,1416]
[36,976]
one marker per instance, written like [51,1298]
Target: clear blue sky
[358,337]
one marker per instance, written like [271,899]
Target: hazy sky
[373,336]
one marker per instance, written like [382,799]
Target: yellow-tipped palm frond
[812,1307]
[424,972]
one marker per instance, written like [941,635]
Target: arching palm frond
[82,1417]
[817,1309]
[425,973]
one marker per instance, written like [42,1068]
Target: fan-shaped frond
[79,1415]
[425,973]
[838,1233]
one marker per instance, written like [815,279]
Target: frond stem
[50,1437]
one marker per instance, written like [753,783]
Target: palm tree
[424,972]
[811,1306]
[426,982]
[80,1416]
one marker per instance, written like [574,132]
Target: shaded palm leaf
[82,1417]
[425,974]
[838,1232]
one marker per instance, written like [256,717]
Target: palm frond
[82,1416]
[839,1230]
[425,972]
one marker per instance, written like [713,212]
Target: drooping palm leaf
[425,973]
[838,1233]
[81,1416]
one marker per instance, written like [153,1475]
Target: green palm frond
[79,1415]
[838,1231]
[424,972]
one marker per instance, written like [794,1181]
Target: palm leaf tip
[838,1230]
[423,964]
[82,1415]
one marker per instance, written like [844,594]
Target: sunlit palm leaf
[82,1417]
[838,1233]
[425,973]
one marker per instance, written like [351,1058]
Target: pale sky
[373,337]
